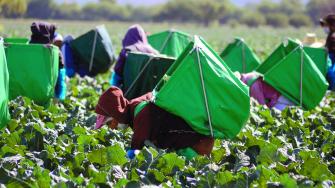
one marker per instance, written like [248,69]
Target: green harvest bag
[94,50]
[33,71]
[4,113]
[171,43]
[318,55]
[298,78]
[142,72]
[280,52]
[239,57]
[17,40]
[200,88]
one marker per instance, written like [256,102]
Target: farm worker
[328,24]
[150,124]
[263,93]
[45,33]
[68,56]
[135,40]
[71,61]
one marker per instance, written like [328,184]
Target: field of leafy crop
[56,146]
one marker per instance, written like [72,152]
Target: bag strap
[302,58]
[204,92]
[140,107]
[244,65]
[93,49]
[166,41]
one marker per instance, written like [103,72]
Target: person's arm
[204,146]
[141,130]
[142,127]
[116,79]
[256,92]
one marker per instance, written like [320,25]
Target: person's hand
[101,120]
[113,124]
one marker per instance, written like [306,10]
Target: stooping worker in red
[150,123]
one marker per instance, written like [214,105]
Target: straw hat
[312,41]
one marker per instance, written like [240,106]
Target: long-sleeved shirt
[152,123]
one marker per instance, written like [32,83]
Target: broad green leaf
[223,178]
[169,163]
[112,155]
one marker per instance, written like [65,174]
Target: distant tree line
[282,14]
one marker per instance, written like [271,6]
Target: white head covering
[58,37]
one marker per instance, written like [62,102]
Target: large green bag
[4,113]
[295,76]
[94,51]
[142,72]
[33,71]
[171,43]
[239,57]
[200,88]
[318,55]
[278,54]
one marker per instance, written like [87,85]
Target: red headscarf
[113,104]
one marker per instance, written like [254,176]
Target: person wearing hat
[328,24]
[150,124]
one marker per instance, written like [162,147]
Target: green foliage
[319,8]
[42,9]
[206,12]
[13,8]
[57,147]
[253,19]
[104,10]
[300,20]
[113,155]
[277,20]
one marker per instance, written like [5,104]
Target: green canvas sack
[292,72]
[94,51]
[240,57]
[4,81]
[142,72]
[171,43]
[33,73]
[200,88]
